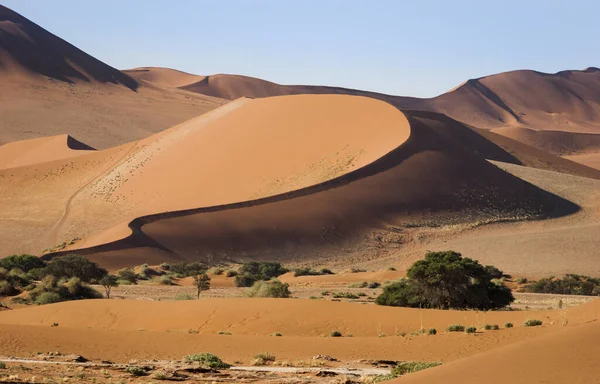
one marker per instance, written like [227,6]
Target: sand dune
[27,152]
[555,142]
[565,101]
[569,356]
[588,159]
[160,330]
[73,93]
[163,76]
[312,203]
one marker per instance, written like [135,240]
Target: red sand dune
[282,177]
[49,87]
[44,149]
[565,101]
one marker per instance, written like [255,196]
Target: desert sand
[153,165]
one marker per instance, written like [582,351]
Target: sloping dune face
[49,87]
[246,150]
[28,152]
[265,178]
[570,356]
[163,76]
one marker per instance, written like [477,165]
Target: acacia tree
[201,282]
[447,280]
[108,282]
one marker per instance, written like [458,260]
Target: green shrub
[188,268]
[522,280]
[254,271]
[136,371]
[508,325]
[48,298]
[373,285]
[165,266]
[2,365]
[216,271]
[165,280]
[432,331]
[335,334]
[129,275]
[207,360]
[264,358]
[74,266]
[345,295]
[532,323]
[356,270]
[325,293]
[447,280]
[183,296]
[326,271]
[362,284]
[470,329]
[570,284]
[455,328]
[491,327]
[412,366]
[224,333]
[273,288]
[23,262]
[231,273]
[306,272]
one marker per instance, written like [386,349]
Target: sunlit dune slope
[323,191]
[569,356]
[27,152]
[564,101]
[163,76]
[556,142]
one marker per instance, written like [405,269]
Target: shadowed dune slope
[555,142]
[569,356]
[44,149]
[25,46]
[49,87]
[325,208]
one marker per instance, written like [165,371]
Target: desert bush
[128,274]
[183,296]
[447,280]
[277,334]
[188,268]
[455,328]
[326,271]
[306,272]
[23,262]
[216,271]
[431,331]
[48,298]
[207,360]
[201,282]
[52,290]
[522,280]
[412,366]
[264,358]
[471,330]
[345,295]
[335,334]
[532,323]
[356,270]
[362,284]
[254,271]
[108,282]
[165,280]
[7,289]
[325,293]
[391,268]
[491,327]
[274,288]
[231,273]
[2,365]
[136,371]
[361,294]
[508,325]
[165,266]
[373,285]
[570,284]
[74,266]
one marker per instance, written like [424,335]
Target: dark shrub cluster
[188,268]
[254,271]
[447,280]
[311,272]
[569,285]
[273,288]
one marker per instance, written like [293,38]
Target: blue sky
[413,48]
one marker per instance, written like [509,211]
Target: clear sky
[403,47]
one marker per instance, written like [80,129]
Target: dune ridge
[291,221]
